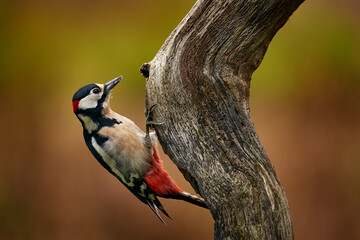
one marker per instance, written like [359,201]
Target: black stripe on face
[95,112]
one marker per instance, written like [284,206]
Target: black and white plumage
[124,149]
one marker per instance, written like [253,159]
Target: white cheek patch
[90,101]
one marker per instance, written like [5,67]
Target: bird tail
[155,206]
[193,199]
[163,185]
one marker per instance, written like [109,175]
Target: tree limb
[200,79]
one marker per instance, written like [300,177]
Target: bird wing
[123,162]
[126,146]
[140,188]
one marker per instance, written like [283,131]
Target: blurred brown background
[304,103]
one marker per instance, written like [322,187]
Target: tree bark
[200,79]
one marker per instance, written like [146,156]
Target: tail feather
[164,186]
[154,208]
[164,212]
[198,201]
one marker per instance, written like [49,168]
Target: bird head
[91,99]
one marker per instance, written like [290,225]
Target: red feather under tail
[158,179]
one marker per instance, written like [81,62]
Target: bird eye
[96,90]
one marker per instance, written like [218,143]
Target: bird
[124,150]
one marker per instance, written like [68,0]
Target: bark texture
[200,79]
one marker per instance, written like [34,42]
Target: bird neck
[93,123]
[90,124]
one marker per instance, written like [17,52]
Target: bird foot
[150,123]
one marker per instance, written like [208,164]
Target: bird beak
[109,85]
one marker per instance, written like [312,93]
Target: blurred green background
[304,103]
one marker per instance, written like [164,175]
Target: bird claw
[150,123]
[149,112]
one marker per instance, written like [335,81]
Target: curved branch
[200,79]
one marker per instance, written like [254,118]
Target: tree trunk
[200,79]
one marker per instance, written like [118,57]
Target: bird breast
[126,147]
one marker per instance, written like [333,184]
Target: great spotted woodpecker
[124,149]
